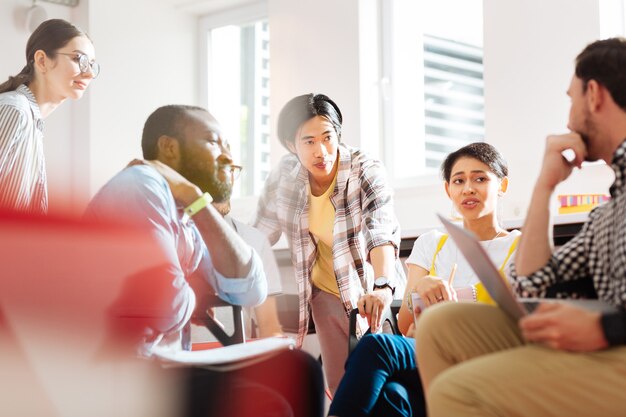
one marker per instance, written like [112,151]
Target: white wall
[314,48]
[148,57]
[529,49]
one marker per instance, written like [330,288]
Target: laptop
[498,289]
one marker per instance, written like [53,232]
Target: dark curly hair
[166,120]
[480,151]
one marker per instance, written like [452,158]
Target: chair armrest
[390,315]
[201,314]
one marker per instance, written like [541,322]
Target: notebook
[498,289]
[227,357]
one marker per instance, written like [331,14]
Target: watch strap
[203,201]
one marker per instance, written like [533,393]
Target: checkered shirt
[364,219]
[593,263]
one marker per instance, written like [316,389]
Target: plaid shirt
[593,263]
[364,219]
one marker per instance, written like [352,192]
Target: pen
[451,279]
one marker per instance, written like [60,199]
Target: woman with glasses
[59,65]
[335,206]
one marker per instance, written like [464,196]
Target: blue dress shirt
[139,196]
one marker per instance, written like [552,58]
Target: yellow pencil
[452,273]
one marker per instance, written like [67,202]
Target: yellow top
[481,293]
[321,222]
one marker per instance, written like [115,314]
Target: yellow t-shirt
[321,222]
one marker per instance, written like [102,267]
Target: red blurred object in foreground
[64,349]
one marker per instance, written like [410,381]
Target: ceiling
[205,6]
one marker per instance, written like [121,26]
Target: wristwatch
[383,282]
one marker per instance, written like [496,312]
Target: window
[453,98]
[431,74]
[235,81]
[612,18]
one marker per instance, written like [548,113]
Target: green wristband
[202,202]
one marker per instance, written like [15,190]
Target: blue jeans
[381,379]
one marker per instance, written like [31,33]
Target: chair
[207,302]
[390,316]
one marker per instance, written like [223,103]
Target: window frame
[240,15]
[393,79]
[612,18]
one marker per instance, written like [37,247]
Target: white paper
[227,354]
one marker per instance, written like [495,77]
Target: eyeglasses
[235,170]
[83,63]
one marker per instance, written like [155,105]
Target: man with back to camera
[561,359]
[168,195]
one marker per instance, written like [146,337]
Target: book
[580,203]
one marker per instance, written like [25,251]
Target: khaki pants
[474,362]
[331,327]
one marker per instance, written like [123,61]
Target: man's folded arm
[250,290]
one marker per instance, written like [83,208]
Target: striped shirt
[593,263]
[364,219]
[23,184]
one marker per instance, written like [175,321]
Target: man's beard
[589,135]
[207,182]
[220,191]
[585,138]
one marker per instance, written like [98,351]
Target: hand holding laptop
[564,326]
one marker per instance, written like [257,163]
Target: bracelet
[409,300]
[203,201]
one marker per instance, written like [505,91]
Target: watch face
[380,281]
